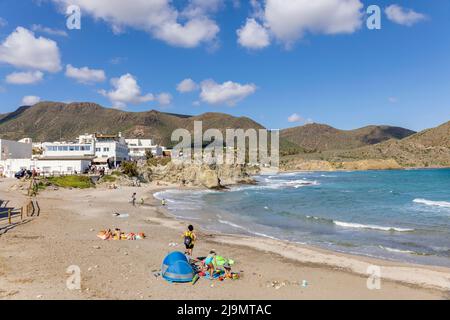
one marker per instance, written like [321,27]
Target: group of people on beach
[210,263]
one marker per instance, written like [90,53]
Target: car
[20,174]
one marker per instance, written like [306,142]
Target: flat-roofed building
[138,148]
[15,150]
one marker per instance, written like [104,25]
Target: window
[98,149]
[105,149]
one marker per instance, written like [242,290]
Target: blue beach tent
[176,268]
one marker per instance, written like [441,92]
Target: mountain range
[55,121]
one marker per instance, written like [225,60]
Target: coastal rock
[200,175]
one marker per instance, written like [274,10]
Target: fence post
[9,216]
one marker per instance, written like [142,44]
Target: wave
[319,219]
[358,225]
[277,184]
[393,250]
[443,204]
[371,227]
[231,224]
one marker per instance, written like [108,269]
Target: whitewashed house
[138,148]
[14,156]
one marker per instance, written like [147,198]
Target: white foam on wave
[371,227]
[443,204]
[277,184]
[236,226]
[397,250]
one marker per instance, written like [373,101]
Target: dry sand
[34,257]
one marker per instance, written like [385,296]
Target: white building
[110,148]
[45,166]
[13,154]
[106,151]
[138,148]
[15,150]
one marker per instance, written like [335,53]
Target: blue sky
[305,64]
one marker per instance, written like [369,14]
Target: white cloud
[164,99]
[85,75]
[296,118]
[289,21]
[188,27]
[403,16]
[253,35]
[23,50]
[29,77]
[228,93]
[126,91]
[187,85]
[49,31]
[30,100]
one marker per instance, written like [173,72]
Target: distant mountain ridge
[320,137]
[53,121]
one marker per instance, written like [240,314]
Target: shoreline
[429,276]
[34,257]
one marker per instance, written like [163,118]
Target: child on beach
[133,199]
[210,264]
[189,239]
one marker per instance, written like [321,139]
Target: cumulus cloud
[30,100]
[253,35]
[187,85]
[296,118]
[30,77]
[126,91]
[403,16]
[188,27]
[85,75]
[49,31]
[229,93]
[164,99]
[22,49]
[289,21]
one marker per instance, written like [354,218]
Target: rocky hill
[321,137]
[53,121]
[428,148]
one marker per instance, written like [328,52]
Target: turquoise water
[398,215]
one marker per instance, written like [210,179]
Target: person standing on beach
[133,199]
[189,240]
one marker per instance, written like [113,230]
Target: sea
[399,215]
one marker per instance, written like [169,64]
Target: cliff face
[198,175]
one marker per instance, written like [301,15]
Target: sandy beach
[34,256]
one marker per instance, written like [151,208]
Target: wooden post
[9,216]
[38,208]
[21,214]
